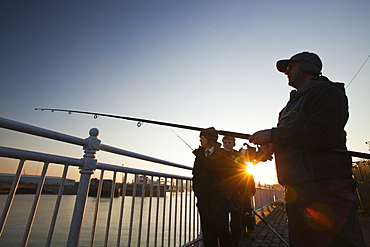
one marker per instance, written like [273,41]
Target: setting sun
[263,172]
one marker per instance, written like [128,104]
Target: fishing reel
[253,154]
[248,153]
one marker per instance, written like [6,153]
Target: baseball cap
[308,62]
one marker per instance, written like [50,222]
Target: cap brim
[281,65]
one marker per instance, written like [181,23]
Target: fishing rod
[221,132]
[141,121]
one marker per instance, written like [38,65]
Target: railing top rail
[36,156]
[37,131]
[33,130]
[56,159]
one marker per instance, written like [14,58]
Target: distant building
[34,179]
[146,180]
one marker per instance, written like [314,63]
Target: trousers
[214,218]
[323,214]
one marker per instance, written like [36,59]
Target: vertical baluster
[186,223]
[164,210]
[96,210]
[141,210]
[10,198]
[132,210]
[121,213]
[170,214]
[112,191]
[175,213]
[157,211]
[181,209]
[149,210]
[57,205]
[34,206]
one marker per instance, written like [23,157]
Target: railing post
[93,145]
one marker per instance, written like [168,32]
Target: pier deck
[275,216]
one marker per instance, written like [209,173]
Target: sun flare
[262,172]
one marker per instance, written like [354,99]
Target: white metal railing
[151,219]
[267,195]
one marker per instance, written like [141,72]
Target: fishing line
[183,140]
[358,72]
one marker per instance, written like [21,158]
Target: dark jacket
[238,181]
[208,174]
[312,123]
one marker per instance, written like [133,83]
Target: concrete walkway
[276,218]
[265,237]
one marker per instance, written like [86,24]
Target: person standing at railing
[212,202]
[241,188]
[320,201]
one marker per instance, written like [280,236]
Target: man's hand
[261,137]
[264,153]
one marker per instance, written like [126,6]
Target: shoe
[251,235]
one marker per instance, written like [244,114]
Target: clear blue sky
[202,63]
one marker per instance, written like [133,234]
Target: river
[18,217]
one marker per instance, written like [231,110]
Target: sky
[200,63]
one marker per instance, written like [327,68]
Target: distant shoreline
[27,188]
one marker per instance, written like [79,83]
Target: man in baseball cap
[321,204]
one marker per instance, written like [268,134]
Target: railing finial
[93,145]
